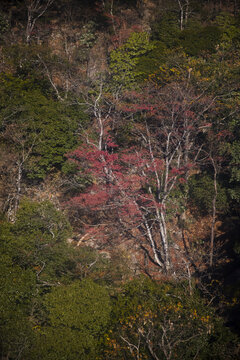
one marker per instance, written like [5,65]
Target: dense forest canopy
[119,179]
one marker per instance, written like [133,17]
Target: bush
[199,40]
[78,315]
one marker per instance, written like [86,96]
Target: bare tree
[102,106]
[175,116]
[139,185]
[184,7]
[35,9]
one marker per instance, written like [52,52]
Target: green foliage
[69,168]
[78,316]
[16,291]
[229,26]
[162,321]
[38,240]
[172,66]
[168,63]
[167,30]
[74,181]
[150,62]
[197,40]
[194,39]
[123,60]
[41,127]
[124,134]
[24,60]
[201,193]
[172,47]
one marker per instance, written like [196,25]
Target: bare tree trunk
[160,215]
[35,9]
[18,190]
[187,11]
[153,246]
[184,7]
[181,14]
[163,232]
[98,115]
[49,76]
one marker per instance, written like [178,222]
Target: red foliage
[121,181]
[132,188]
[176,171]
[94,198]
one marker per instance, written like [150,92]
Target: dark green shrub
[201,193]
[198,40]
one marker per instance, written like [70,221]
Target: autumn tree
[160,321]
[175,120]
[140,184]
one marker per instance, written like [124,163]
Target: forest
[119,179]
